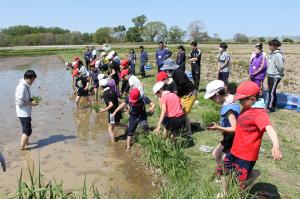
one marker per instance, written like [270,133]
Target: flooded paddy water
[69,145]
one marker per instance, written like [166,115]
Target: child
[172,114]
[132,82]
[24,105]
[82,86]
[215,91]
[112,102]
[251,125]
[94,78]
[258,65]
[223,64]
[170,85]
[137,113]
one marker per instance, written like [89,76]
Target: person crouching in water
[82,87]
[172,115]
[215,91]
[24,105]
[111,100]
[137,113]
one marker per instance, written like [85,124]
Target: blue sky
[252,17]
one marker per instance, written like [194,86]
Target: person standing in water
[24,105]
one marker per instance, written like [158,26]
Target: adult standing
[162,54]
[223,64]
[275,72]
[132,59]
[87,57]
[195,60]
[181,58]
[185,89]
[258,65]
[143,61]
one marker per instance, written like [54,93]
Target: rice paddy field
[169,170]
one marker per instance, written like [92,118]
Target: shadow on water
[2,162]
[51,140]
[264,190]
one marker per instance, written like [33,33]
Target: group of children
[242,130]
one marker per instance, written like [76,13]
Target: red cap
[75,72]
[161,76]
[123,73]
[76,58]
[134,95]
[246,89]
[124,62]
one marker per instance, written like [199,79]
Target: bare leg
[129,139]
[96,93]
[111,132]
[77,102]
[24,141]
[218,154]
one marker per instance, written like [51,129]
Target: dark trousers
[87,63]
[272,84]
[196,75]
[142,70]
[159,67]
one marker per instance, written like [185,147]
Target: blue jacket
[88,55]
[161,55]
[144,57]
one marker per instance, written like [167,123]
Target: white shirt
[23,102]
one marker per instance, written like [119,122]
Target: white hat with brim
[103,82]
[101,76]
[169,64]
[213,88]
[157,86]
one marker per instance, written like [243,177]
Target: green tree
[87,38]
[155,31]
[139,21]
[103,35]
[133,35]
[120,33]
[176,34]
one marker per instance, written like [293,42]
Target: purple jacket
[255,65]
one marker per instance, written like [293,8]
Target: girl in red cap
[251,125]
[137,113]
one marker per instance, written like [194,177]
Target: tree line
[142,30]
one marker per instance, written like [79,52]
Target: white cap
[67,63]
[101,76]
[213,87]
[103,82]
[157,86]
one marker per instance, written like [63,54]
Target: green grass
[187,172]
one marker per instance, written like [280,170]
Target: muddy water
[69,145]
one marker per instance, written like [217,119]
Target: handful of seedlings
[37,99]
[96,108]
